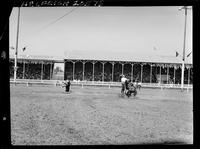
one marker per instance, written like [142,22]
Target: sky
[101,30]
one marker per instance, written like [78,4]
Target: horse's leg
[135,93]
[128,94]
[122,92]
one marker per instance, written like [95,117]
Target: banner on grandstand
[58,71]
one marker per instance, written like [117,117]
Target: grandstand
[88,69]
[90,66]
[33,67]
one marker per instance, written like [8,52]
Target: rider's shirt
[123,80]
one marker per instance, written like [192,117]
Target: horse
[129,92]
[128,89]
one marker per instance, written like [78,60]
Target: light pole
[16,48]
[183,60]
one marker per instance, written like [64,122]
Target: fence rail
[95,83]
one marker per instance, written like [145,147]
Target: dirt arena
[46,115]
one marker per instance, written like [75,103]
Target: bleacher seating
[31,71]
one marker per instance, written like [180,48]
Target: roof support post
[50,71]
[83,71]
[103,71]
[93,71]
[156,71]
[122,68]
[160,75]
[23,69]
[113,63]
[174,74]
[188,76]
[132,72]
[141,71]
[73,70]
[150,73]
[28,76]
[167,74]
[42,71]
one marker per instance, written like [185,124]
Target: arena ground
[46,115]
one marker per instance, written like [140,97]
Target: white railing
[95,83]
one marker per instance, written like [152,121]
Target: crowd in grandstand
[33,71]
[30,71]
[107,76]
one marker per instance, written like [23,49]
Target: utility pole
[183,59]
[16,48]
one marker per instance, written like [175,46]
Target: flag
[189,54]
[24,49]
[177,53]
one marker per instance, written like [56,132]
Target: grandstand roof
[120,56]
[116,56]
[39,57]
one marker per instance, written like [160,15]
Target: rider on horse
[130,88]
[123,81]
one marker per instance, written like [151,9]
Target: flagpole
[183,60]
[16,49]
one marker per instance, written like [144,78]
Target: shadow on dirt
[177,142]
